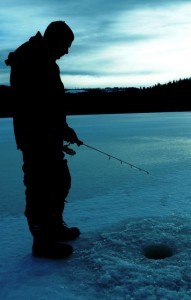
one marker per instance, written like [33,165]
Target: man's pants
[47,180]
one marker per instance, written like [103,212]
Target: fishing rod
[72,152]
[121,161]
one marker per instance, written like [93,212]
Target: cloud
[132,41]
[146,41]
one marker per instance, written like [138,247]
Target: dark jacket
[39,105]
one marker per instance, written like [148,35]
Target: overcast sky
[119,43]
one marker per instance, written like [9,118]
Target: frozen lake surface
[120,211]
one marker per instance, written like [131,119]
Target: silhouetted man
[40,128]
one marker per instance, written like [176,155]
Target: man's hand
[79,143]
[70,136]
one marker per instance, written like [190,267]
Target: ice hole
[157,251]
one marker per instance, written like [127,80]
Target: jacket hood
[26,50]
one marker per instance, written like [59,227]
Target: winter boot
[65,233]
[46,243]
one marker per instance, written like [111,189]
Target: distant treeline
[172,96]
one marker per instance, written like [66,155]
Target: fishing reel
[68,150]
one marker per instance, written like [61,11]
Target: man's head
[59,37]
